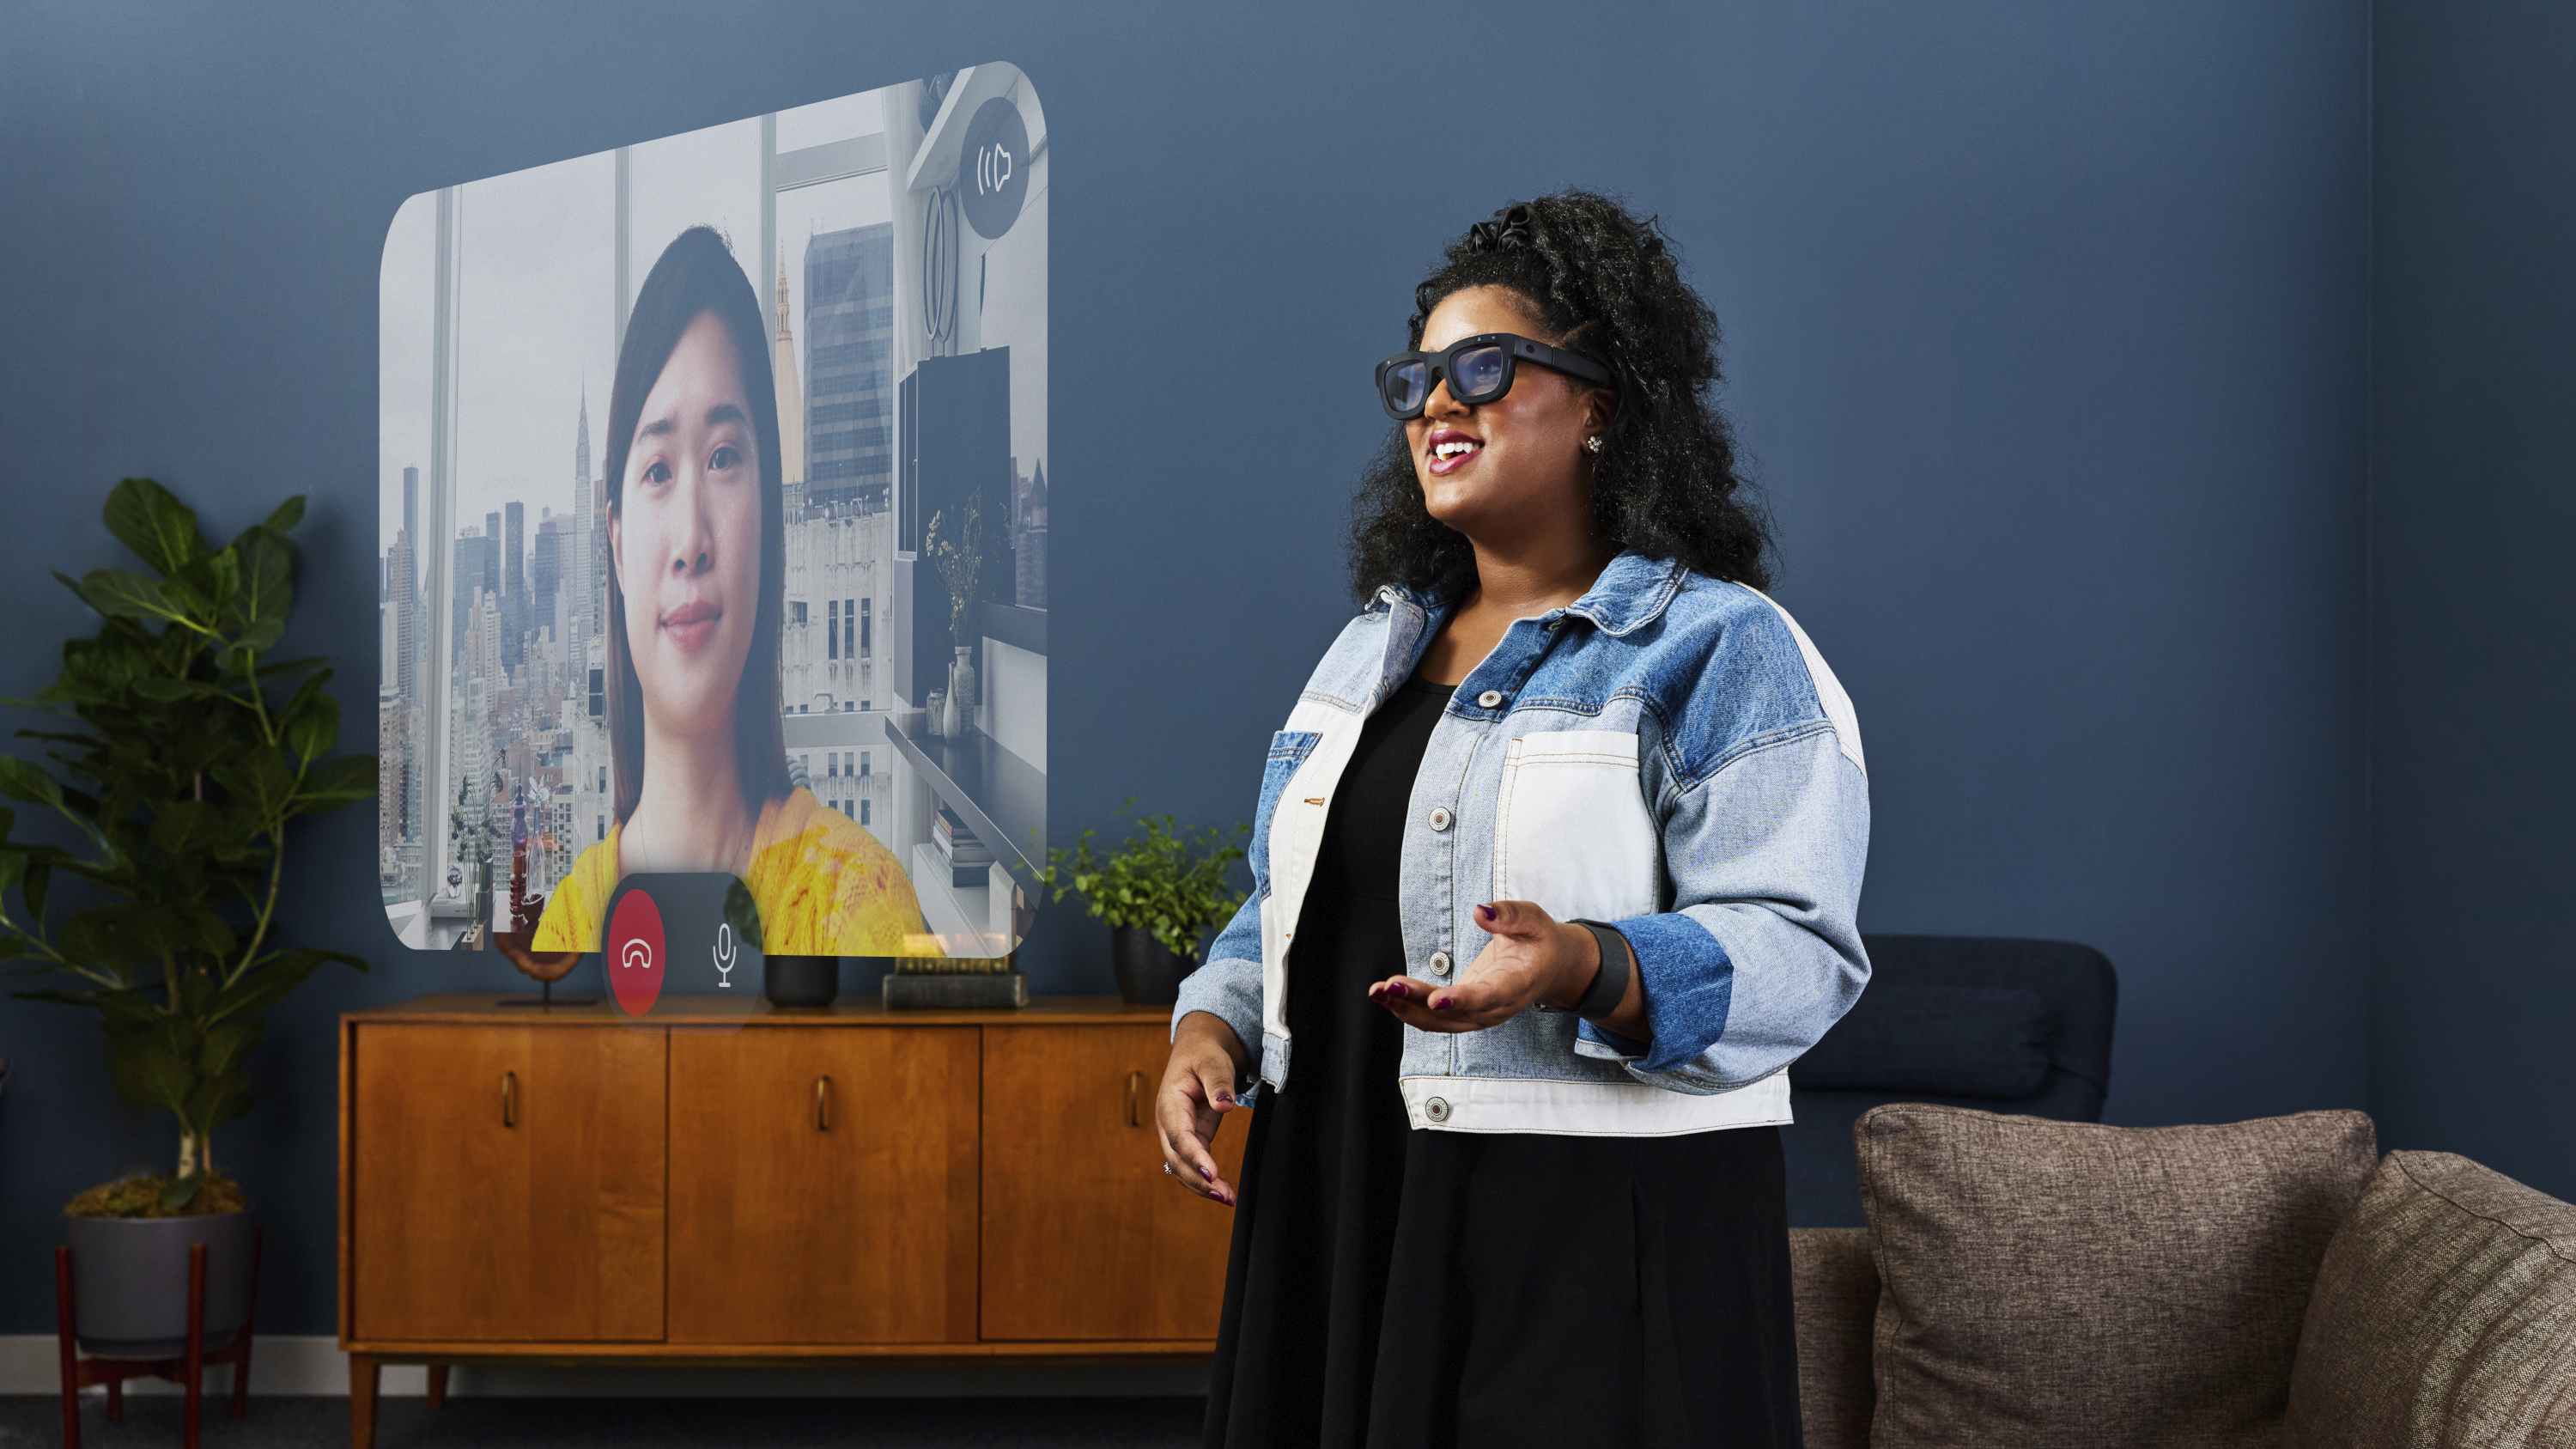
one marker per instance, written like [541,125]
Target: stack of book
[966,856]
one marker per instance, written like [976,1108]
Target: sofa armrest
[2445,1314]
[1835,1285]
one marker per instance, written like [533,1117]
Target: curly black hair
[1605,284]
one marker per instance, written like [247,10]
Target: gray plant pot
[130,1281]
[1149,972]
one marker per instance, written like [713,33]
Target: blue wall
[2048,325]
[2473,593]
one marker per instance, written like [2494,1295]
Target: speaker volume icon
[724,954]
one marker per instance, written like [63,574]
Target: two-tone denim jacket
[1669,755]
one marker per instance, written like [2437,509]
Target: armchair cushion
[2445,1314]
[2064,1283]
[1835,1286]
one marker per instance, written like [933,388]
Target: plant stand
[188,1370]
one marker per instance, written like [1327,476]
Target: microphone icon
[724,954]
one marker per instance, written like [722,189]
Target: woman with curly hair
[1556,864]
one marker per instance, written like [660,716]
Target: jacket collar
[1632,592]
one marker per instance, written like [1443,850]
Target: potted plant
[1160,891]
[183,751]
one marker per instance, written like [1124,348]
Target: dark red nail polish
[1440,1003]
[1400,989]
[1485,914]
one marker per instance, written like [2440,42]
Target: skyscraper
[849,352]
[582,621]
[546,579]
[402,588]
[515,613]
[477,571]
[791,393]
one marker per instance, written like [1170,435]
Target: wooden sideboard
[566,1186]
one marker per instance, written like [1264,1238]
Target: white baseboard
[312,1364]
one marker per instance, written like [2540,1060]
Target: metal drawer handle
[822,1104]
[509,1099]
[1135,1086]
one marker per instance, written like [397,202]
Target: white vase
[961,689]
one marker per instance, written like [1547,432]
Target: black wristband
[1610,985]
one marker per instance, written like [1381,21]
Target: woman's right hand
[1198,1090]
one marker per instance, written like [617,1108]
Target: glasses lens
[1404,384]
[1478,375]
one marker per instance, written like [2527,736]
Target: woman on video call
[1556,866]
[697,549]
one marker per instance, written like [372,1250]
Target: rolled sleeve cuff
[1689,980]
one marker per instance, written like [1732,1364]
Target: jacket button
[1437,1109]
[1440,817]
[1439,963]
[1489,699]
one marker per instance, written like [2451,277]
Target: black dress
[1393,1289]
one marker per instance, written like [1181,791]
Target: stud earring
[1592,444]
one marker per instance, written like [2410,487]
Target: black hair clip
[1509,229]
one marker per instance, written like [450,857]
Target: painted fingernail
[1225,1099]
[1485,914]
[1206,1176]
[1400,989]
[1440,1003]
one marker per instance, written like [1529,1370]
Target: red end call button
[635,953]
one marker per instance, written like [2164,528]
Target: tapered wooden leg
[71,1352]
[116,1401]
[362,1401]
[250,1317]
[194,1365]
[438,1386]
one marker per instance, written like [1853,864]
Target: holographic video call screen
[713,533]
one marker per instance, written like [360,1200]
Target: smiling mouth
[1452,453]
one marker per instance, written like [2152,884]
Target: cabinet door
[506,1183]
[1084,1235]
[823,1185]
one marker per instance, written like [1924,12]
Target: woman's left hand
[1532,957]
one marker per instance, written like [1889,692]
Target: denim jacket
[1668,754]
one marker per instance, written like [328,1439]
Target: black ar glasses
[1478,370]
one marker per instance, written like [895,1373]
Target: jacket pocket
[1571,828]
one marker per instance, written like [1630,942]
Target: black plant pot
[800,980]
[130,1281]
[1149,972]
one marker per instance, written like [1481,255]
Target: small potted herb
[182,752]
[1160,891]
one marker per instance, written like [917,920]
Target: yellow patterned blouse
[824,885]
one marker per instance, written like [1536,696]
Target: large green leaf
[267,576]
[20,780]
[334,783]
[225,1045]
[188,827]
[127,931]
[260,781]
[275,979]
[149,1069]
[288,514]
[315,727]
[161,530]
